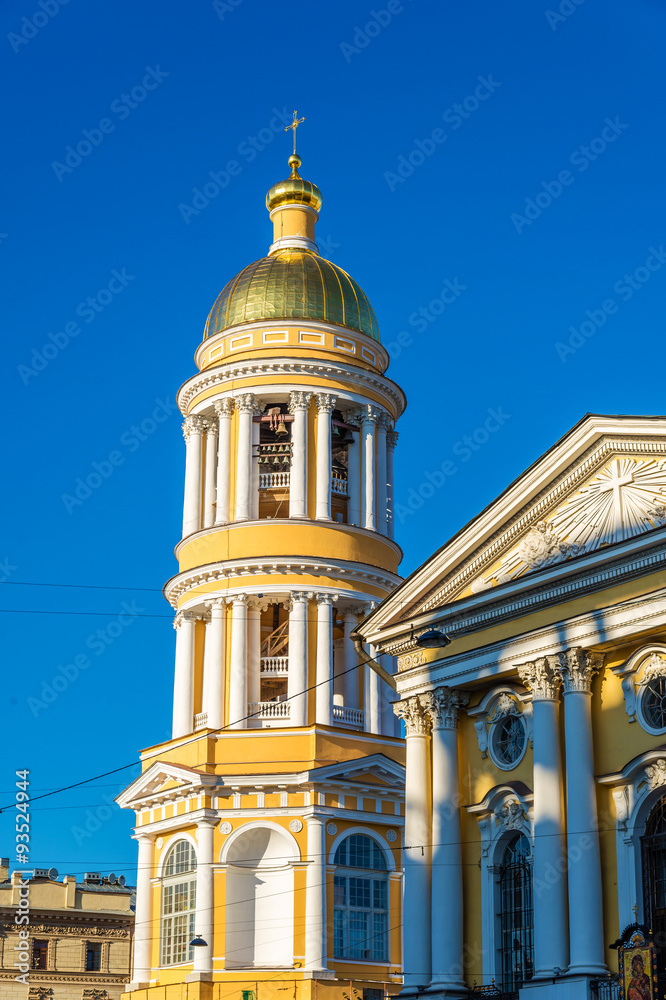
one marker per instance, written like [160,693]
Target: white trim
[632,687]
[366,832]
[176,836]
[482,712]
[261,825]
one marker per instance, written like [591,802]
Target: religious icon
[637,966]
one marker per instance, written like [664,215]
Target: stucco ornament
[295,826]
[511,816]
[225,827]
[656,774]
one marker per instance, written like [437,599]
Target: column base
[593,971]
[451,989]
[199,977]
[132,987]
[564,987]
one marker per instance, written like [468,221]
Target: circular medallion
[331,828]
[226,827]
[295,826]
[158,843]
[391,836]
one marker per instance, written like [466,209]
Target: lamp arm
[363,658]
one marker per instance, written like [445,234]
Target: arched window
[179,898]
[653,858]
[360,900]
[516,914]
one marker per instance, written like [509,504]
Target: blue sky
[493,178]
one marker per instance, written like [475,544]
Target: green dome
[292,284]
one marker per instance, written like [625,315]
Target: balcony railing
[608,988]
[348,716]
[274,666]
[273,480]
[339,483]
[201,720]
[269,710]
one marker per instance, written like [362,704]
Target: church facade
[269,827]
[532,680]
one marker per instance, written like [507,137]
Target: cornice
[240,569]
[229,373]
[563,582]
[615,623]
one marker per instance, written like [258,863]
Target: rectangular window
[178,906]
[93,956]
[40,952]
[360,918]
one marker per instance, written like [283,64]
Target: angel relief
[540,547]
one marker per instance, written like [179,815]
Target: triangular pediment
[163,779]
[603,484]
[375,769]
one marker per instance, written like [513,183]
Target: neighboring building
[269,826]
[536,741]
[80,936]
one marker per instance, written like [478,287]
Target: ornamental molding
[325,402]
[578,667]
[216,573]
[598,572]
[579,514]
[246,402]
[655,774]
[226,375]
[542,677]
[504,809]
[194,424]
[225,407]
[299,401]
[511,816]
[80,929]
[413,714]
[442,707]
[498,703]
[636,673]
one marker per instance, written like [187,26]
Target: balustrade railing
[269,709]
[339,483]
[201,720]
[274,666]
[350,716]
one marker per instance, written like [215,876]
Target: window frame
[350,929]
[43,949]
[179,888]
[94,948]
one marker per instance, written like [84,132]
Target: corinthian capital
[246,402]
[224,407]
[578,667]
[392,439]
[384,421]
[542,677]
[299,401]
[369,414]
[417,722]
[194,424]
[325,402]
[442,706]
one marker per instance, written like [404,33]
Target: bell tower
[269,826]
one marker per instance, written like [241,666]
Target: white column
[391,441]
[350,660]
[387,697]
[183,686]
[297,680]
[245,405]
[368,427]
[324,675]
[354,475]
[254,489]
[442,706]
[315,896]
[238,663]
[204,922]
[586,928]
[193,431]
[551,945]
[383,425]
[254,654]
[325,406]
[213,700]
[143,929]
[207,672]
[224,409]
[210,471]
[416,898]
[299,403]
[372,695]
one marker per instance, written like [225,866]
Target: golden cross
[294,125]
[635,909]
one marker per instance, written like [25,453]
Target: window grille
[360,915]
[516,915]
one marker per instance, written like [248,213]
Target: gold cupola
[294,208]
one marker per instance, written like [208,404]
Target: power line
[77,586]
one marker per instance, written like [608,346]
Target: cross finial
[635,909]
[294,125]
